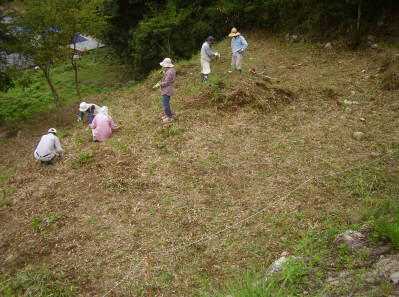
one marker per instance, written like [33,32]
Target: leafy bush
[388,227]
[6,82]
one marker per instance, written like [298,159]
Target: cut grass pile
[237,145]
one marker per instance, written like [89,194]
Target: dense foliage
[147,31]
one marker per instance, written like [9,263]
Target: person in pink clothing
[102,125]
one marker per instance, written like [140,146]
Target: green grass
[387,227]
[32,94]
[306,277]
[37,282]
[83,160]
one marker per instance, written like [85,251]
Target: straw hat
[52,130]
[84,106]
[234,32]
[167,62]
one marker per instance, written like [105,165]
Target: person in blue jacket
[238,47]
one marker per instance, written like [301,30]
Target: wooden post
[148,263]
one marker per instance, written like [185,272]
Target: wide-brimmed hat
[84,106]
[167,62]
[52,130]
[234,32]
[211,39]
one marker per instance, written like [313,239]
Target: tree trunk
[75,68]
[46,73]
[96,53]
[359,14]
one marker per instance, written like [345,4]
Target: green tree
[81,16]
[42,37]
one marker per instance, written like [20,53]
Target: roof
[86,43]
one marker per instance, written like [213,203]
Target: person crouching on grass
[48,148]
[167,90]
[102,125]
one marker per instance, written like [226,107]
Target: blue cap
[211,38]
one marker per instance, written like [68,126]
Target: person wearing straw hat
[238,47]
[102,125]
[90,108]
[206,56]
[167,90]
[48,148]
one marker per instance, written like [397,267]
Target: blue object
[211,38]
[238,45]
[166,105]
[79,38]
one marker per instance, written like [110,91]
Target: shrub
[388,228]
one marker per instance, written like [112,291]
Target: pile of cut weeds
[247,92]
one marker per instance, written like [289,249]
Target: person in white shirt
[48,148]
[206,56]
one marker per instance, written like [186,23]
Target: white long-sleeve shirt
[48,147]
[206,52]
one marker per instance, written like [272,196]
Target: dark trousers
[166,105]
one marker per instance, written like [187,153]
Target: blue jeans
[90,116]
[166,105]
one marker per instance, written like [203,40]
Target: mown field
[238,145]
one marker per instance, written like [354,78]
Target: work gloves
[156,86]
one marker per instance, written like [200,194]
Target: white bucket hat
[52,130]
[167,62]
[83,106]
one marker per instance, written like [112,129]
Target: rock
[374,45]
[348,102]
[364,71]
[358,135]
[395,277]
[355,240]
[387,268]
[362,119]
[342,278]
[388,265]
[277,265]
[328,45]
[353,93]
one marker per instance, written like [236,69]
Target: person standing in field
[238,47]
[102,125]
[48,148]
[206,56]
[167,89]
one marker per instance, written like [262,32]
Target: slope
[238,142]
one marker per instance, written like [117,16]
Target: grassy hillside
[97,74]
[238,144]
